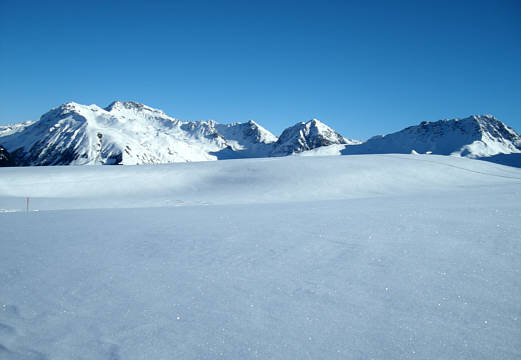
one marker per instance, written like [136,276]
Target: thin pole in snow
[27,205]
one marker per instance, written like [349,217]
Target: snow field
[351,257]
[243,181]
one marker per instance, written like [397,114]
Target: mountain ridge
[474,136]
[131,133]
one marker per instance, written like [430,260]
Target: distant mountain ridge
[474,136]
[131,133]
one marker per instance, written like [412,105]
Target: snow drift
[347,257]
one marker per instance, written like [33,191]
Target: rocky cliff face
[5,158]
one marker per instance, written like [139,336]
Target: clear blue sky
[363,67]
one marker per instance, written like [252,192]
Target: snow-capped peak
[131,106]
[127,132]
[306,136]
[473,136]
[68,108]
[248,132]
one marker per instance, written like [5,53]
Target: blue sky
[362,67]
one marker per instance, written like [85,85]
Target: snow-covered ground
[340,257]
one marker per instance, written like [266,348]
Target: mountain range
[130,133]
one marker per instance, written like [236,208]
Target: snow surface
[348,257]
[513,159]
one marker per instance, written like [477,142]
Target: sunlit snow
[339,257]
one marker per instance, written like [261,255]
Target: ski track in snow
[349,257]
[451,165]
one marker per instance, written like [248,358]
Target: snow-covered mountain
[246,140]
[307,136]
[122,133]
[5,158]
[133,133]
[473,137]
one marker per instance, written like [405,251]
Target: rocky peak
[125,106]
[6,158]
[306,136]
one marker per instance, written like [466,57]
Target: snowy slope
[475,136]
[6,130]
[245,181]
[246,139]
[124,133]
[513,159]
[244,134]
[347,257]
